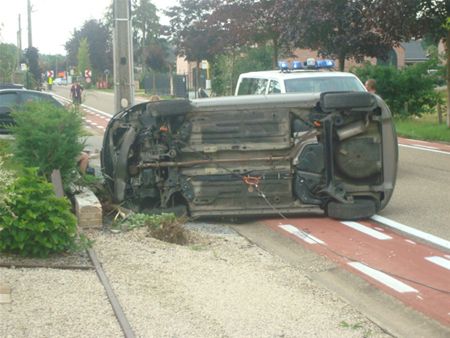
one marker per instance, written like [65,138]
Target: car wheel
[359,209]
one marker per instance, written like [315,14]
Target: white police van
[311,76]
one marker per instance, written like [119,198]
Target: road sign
[50,73]
[87,73]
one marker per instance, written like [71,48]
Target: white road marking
[95,124]
[445,263]
[423,146]
[88,121]
[383,278]
[366,230]
[379,229]
[301,234]
[101,127]
[94,110]
[412,231]
[410,241]
[425,149]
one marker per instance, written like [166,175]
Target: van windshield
[323,84]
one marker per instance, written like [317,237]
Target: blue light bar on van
[283,65]
[297,65]
[325,64]
[310,63]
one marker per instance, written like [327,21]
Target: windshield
[323,84]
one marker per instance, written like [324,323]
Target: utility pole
[123,56]
[30,35]
[19,44]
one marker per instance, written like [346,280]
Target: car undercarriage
[254,155]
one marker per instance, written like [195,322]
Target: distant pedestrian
[49,83]
[371,86]
[75,92]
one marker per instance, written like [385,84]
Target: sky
[53,21]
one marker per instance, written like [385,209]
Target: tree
[32,58]
[83,56]
[189,31]
[8,61]
[268,23]
[99,40]
[340,29]
[146,27]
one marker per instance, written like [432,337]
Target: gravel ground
[218,286]
[55,303]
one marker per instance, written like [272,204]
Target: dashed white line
[366,230]
[445,263]
[411,231]
[425,149]
[410,241]
[310,239]
[101,127]
[88,121]
[94,124]
[423,146]
[383,278]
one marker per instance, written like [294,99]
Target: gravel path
[218,286]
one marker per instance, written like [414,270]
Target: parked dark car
[11,98]
[11,86]
[254,155]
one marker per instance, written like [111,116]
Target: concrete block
[88,210]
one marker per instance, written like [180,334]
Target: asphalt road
[101,100]
[422,194]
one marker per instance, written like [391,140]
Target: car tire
[359,209]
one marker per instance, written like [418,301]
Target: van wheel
[359,209]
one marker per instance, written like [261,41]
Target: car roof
[23,90]
[298,74]
[36,92]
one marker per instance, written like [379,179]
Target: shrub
[165,227]
[34,222]
[6,178]
[47,137]
[408,91]
[6,173]
[168,228]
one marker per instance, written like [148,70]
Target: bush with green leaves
[47,137]
[407,91]
[227,67]
[33,221]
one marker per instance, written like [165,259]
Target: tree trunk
[233,57]
[154,91]
[275,53]
[439,111]
[447,48]
[197,77]
[341,60]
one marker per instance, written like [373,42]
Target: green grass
[423,128]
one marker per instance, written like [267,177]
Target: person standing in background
[371,86]
[75,93]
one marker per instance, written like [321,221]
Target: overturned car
[254,155]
